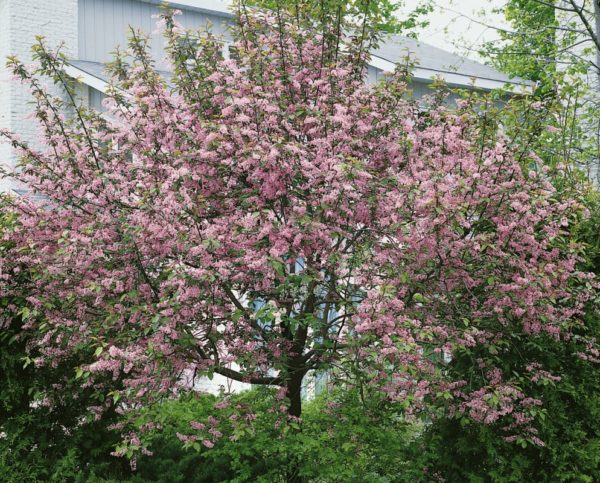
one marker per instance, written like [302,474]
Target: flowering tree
[270,214]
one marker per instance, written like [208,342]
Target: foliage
[524,53]
[339,439]
[464,451]
[377,16]
[547,38]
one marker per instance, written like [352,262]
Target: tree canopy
[270,214]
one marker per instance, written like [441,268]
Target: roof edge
[221,7]
[418,73]
[453,78]
[86,78]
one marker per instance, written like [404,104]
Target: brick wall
[20,22]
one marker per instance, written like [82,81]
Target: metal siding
[372,75]
[104,24]
[105,9]
[419,89]
[81,27]
[96,98]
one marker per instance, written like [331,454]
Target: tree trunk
[294,394]
[597,25]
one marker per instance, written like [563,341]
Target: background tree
[555,44]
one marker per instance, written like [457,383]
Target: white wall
[5,101]
[20,22]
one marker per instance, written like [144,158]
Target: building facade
[91,29]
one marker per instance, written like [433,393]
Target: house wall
[104,24]
[5,98]
[20,22]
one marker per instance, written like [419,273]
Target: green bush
[338,439]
